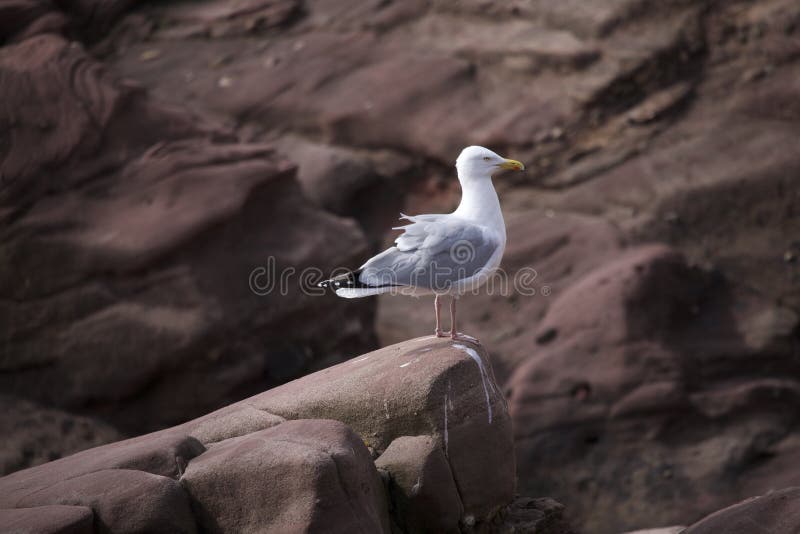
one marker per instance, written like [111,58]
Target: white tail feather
[357,292]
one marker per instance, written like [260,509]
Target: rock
[659,104]
[229,422]
[88,18]
[321,478]
[776,512]
[665,530]
[123,501]
[430,410]
[423,494]
[366,185]
[165,454]
[242,18]
[640,377]
[421,387]
[135,278]
[639,122]
[489,41]
[53,519]
[542,516]
[33,434]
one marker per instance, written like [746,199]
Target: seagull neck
[479,203]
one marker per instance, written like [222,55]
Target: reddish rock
[123,501]
[366,185]
[53,519]
[425,386]
[429,407]
[304,475]
[525,514]
[777,512]
[664,530]
[33,434]
[422,492]
[229,422]
[673,122]
[129,270]
[636,395]
[165,454]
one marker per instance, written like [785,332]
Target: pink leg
[438,306]
[455,335]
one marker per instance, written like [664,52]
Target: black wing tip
[348,280]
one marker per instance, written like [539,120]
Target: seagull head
[479,162]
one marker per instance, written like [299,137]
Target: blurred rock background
[154,155]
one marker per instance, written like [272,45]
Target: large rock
[638,121]
[426,386]
[367,185]
[777,512]
[33,434]
[428,409]
[308,475]
[423,493]
[644,392]
[541,516]
[127,273]
[124,501]
[163,454]
[52,519]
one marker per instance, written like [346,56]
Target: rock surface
[33,435]
[423,494]
[54,519]
[123,501]
[308,475]
[664,530]
[421,387]
[776,513]
[633,392]
[660,396]
[140,281]
[306,456]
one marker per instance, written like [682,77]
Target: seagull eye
[486,158]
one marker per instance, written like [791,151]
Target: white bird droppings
[472,353]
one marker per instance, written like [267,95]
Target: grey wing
[434,252]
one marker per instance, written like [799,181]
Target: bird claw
[439,333]
[458,336]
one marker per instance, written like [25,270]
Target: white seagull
[442,254]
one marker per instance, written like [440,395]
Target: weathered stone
[777,512]
[33,434]
[638,376]
[638,121]
[421,487]
[124,275]
[165,454]
[306,475]
[421,387]
[123,501]
[229,422]
[665,530]
[542,516]
[53,519]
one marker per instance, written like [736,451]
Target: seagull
[442,254]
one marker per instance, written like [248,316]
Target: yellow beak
[512,165]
